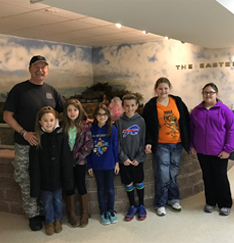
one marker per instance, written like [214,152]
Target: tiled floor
[191,225]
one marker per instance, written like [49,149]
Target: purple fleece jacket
[212,131]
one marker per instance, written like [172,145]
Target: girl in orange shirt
[167,132]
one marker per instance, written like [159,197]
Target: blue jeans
[167,163]
[105,186]
[52,202]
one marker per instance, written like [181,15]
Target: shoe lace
[106,215]
[142,210]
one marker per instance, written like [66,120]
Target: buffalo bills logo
[133,130]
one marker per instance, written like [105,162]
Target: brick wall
[10,193]
[189,181]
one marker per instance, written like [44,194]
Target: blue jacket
[104,155]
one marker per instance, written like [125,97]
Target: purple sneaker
[131,213]
[141,213]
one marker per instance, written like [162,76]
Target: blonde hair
[67,122]
[40,113]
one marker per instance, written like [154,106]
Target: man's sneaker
[105,219]
[176,206]
[141,213]
[131,213]
[208,208]
[112,217]
[35,223]
[42,217]
[161,211]
[225,211]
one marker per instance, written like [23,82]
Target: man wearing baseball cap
[23,102]
[36,59]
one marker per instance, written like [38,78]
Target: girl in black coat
[50,167]
[167,133]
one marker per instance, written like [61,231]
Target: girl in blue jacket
[103,161]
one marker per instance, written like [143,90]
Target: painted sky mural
[135,67]
[70,67]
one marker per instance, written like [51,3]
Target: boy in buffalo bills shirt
[131,127]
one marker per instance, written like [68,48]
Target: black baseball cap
[36,59]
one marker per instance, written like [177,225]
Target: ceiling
[92,22]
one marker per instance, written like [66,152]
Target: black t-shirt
[26,99]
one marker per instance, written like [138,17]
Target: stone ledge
[6,154]
[189,181]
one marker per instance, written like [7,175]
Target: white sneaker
[176,206]
[161,211]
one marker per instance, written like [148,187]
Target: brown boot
[85,210]
[58,226]
[49,229]
[72,218]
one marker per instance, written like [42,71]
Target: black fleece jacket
[51,164]
[150,114]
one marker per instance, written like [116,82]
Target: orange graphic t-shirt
[168,117]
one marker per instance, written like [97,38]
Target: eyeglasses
[209,93]
[99,114]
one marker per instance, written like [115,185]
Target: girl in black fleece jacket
[50,167]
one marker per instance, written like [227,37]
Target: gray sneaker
[208,208]
[225,211]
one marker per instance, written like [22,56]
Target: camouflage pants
[21,175]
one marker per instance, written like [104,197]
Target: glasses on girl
[209,93]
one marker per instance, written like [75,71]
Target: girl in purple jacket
[80,140]
[212,131]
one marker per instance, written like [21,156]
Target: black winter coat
[150,114]
[51,164]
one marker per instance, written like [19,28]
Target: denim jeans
[105,186]
[167,163]
[52,202]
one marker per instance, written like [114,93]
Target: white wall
[138,66]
